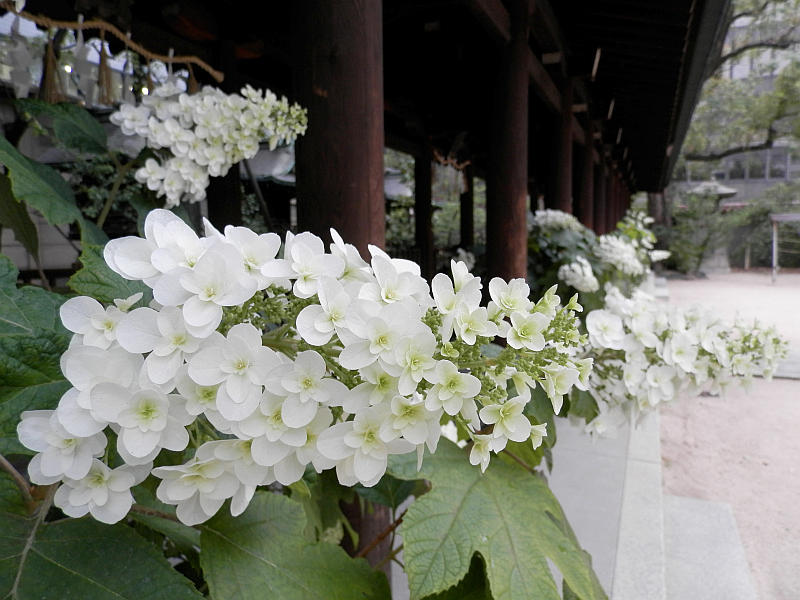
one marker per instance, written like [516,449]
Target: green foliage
[82,559]
[506,515]
[735,114]
[699,226]
[473,587]
[72,126]
[549,248]
[97,280]
[263,554]
[10,499]
[39,186]
[389,491]
[14,215]
[31,343]
[755,230]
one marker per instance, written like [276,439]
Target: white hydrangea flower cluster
[659,255]
[205,134]
[555,219]
[620,253]
[258,364]
[579,275]
[646,354]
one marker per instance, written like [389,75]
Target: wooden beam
[493,16]
[543,84]
[495,19]
[546,28]
[552,58]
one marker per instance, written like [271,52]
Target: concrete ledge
[587,479]
[639,571]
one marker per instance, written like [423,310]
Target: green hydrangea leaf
[263,553]
[39,186]
[506,515]
[83,559]
[72,125]
[97,280]
[389,491]
[32,340]
[14,215]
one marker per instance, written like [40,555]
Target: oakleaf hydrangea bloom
[646,354]
[204,134]
[256,364]
[556,220]
[579,275]
[619,253]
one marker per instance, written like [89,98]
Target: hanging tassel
[191,85]
[105,92]
[51,88]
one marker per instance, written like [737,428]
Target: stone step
[705,559]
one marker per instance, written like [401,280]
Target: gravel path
[744,449]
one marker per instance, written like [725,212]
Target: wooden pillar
[507,177]
[626,199]
[564,168]
[586,197]
[338,69]
[611,201]
[467,211]
[656,207]
[423,212]
[600,201]
[224,193]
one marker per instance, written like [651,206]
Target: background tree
[738,114]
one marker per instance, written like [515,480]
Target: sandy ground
[744,449]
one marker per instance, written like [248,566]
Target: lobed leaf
[97,280]
[14,215]
[83,559]
[506,515]
[72,125]
[263,554]
[32,340]
[39,186]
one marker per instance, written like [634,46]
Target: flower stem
[380,537]
[21,482]
[122,170]
[152,512]
[389,557]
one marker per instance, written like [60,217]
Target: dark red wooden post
[339,79]
[611,200]
[338,70]
[507,180]
[224,193]
[586,198]
[600,200]
[564,168]
[423,212]
[467,212]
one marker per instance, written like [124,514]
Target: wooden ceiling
[440,66]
